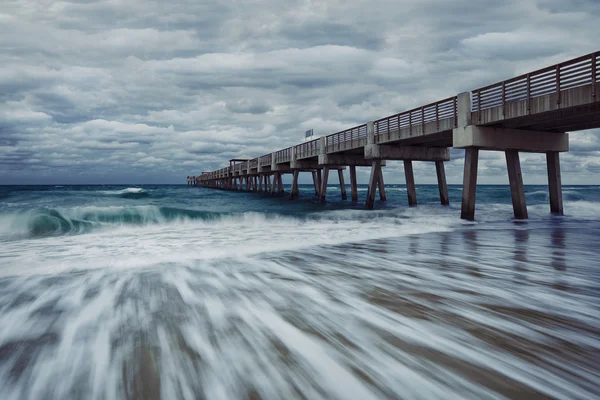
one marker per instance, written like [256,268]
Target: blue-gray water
[176,292]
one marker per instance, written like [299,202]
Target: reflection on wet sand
[521,238]
[364,320]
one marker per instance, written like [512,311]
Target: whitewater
[175,292]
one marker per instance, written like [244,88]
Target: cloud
[107,91]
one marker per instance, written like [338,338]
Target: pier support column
[353,186]
[260,182]
[280,182]
[469,183]
[274,184]
[381,185]
[315,182]
[373,182]
[323,190]
[515,179]
[554,182]
[442,186]
[342,184]
[411,190]
[295,192]
[319,180]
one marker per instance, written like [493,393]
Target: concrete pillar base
[280,182]
[373,183]
[319,180]
[411,190]
[295,192]
[353,185]
[515,178]
[442,186]
[323,190]
[381,185]
[342,184]
[554,182]
[469,183]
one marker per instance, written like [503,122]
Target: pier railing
[254,163]
[347,139]
[282,156]
[431,118]
[265,160]
[570,74]
[307,149]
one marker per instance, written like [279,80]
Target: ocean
[176,292]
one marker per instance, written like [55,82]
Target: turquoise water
[181,292]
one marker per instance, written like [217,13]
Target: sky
[121,91]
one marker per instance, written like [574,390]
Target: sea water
[177,292]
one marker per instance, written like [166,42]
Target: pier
[529,113]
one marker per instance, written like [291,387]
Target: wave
[41,222]
[128,193]
[45,222]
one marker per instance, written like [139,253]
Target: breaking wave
[128,193]
[42,222]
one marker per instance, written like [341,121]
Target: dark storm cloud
[153,91]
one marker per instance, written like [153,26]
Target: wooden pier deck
[528,113]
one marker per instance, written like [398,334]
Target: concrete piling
[554,182]
[323,190]
[515,178]
[469,183]
[353,185]
[342,184]
[373,181]
[442,186]
[295,192]
[411,190]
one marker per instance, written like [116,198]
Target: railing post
[503,99]
[479,104]
[558,84]
[370,132]
[437,116]
[463,106]
[422,120]
[410,123]
[455,105]
[594,56]
[528,94]
[388,128]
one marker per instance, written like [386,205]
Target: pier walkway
[528,113]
